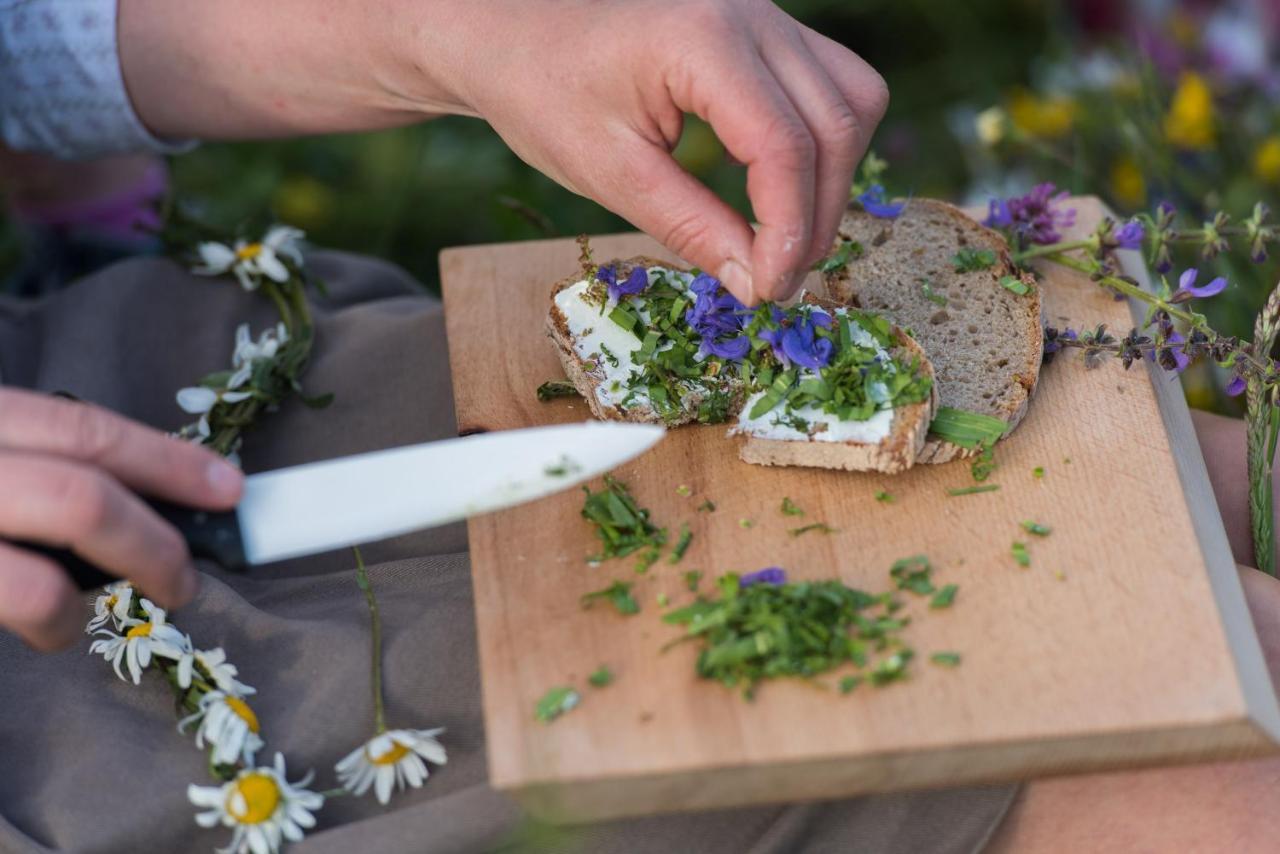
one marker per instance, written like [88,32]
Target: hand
[593,94]
[68,471]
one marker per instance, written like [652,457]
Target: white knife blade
[328,505]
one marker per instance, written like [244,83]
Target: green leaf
[944,597]
[789,508]
[946,659]
[601,677]
[822,527]
[555,703]
[682,544]
[1036,528]
[556,388]
[319,401]
[967,429]
[1020,554]
[848,250]
[1013,283]
[913,574]
[969,260]
[691,579]
[974,490]
[618,595]
[927,288]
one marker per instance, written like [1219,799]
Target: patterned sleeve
[61,88]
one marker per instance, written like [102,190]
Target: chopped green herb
[601,677]
[618,595]
[884,497]
[945,659]
[563,468]
[789,508]
[913,573]
[944,597]
[974,490]
[848,250]
[608,356]
[707,506]
[821,527]
[622,526]
[930,295]
[555,703]
[966,429]
[848,683]
[1038,472]
[682,544]
[744,522]
[1013,283]
[1020,554]
[1060,575]
[801,629]
[984,463]
[647,559]
[684,490]
[691,579]
[892,669]
[969,260]
[556,388]
[1036,528]
[662,600]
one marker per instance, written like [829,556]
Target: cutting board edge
[600,799]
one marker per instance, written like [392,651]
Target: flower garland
[257,802]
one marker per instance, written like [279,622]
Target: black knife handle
[214,536]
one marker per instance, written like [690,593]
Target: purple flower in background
[1035,217]
[1236,387]
[998,215]
[1187,287]
[635,283]
[718,318]
[1053,336]
[772,575]
[801,343]
[1172,358]
[1129,235]
[874,203]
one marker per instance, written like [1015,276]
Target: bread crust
[895,453]
[1024,373]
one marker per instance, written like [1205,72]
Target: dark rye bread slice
[985,343]
[898,451]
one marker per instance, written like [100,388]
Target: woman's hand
[69,471]
[591,92]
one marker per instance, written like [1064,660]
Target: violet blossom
[1187,287]
[1171,358]
[1129,235]
[1035,216]
[1236,387]
[803,345]
[770,575]
[718,318]
[635,283]
[873,202]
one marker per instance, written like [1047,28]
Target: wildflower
[262,806]
[873,202]
[1045,118]
[802,345]
[718,318]
[1187,287]
[991,125]
[212,664]
[1172,358]
[141,640]
[1189,124]
[229,726]
[1053,340]
[1236,387]
[1034,217]
[393,758]
[1127,236]
[249,351]
[770,575]
[1128,184]
[200,400]
[111,607]
[249,262]
[1266,160]
[636,282]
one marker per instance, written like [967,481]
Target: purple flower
[802,345]
[874,203]
[718,319]
[635,283]
[608,275]
[1187,286]
[1033,217]
[773,337]
[1053,336]
[727,348]
[1236,387]
[1172,358]
[1129,235]
[771,575]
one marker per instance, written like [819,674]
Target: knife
[318,507]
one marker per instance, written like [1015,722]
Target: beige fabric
[90,763]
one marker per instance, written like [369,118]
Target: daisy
[248,351]
[200,400]
[141,640]
[250,261]
[262,806]
[111,608]
[213,664]
[229,725]
[391,758]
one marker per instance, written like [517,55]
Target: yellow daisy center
[142,630]
[395,754]
[259,797]
[242,710]
[249,251]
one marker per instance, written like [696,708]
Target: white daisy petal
[217,258]
[271,266]
[197,400]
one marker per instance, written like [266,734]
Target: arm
[591,92]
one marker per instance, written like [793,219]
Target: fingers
[837,132]
[863,88]
[71,505]
[37,601]
[142,458]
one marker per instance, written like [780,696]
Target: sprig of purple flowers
[1033,218]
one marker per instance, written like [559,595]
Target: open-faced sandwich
[816,384]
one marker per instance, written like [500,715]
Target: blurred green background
[1084,88]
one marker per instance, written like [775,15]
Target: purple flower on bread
[771,575]
[873,202]
[718,319]
[801,343]
[635,283]
[735,348]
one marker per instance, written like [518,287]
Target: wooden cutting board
[1127,641]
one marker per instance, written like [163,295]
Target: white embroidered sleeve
[61,88]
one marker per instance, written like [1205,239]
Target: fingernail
[738,281]
[224,478]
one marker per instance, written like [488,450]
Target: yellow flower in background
[990,125]
[1042,117]
[1190,121]
[304,200]
[1266,160]
[1128,185]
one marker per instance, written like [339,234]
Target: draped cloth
[91,763]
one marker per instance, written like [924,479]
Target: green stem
[1050,249]
[362,579]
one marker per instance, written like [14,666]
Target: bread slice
[985,342]
[894,453]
